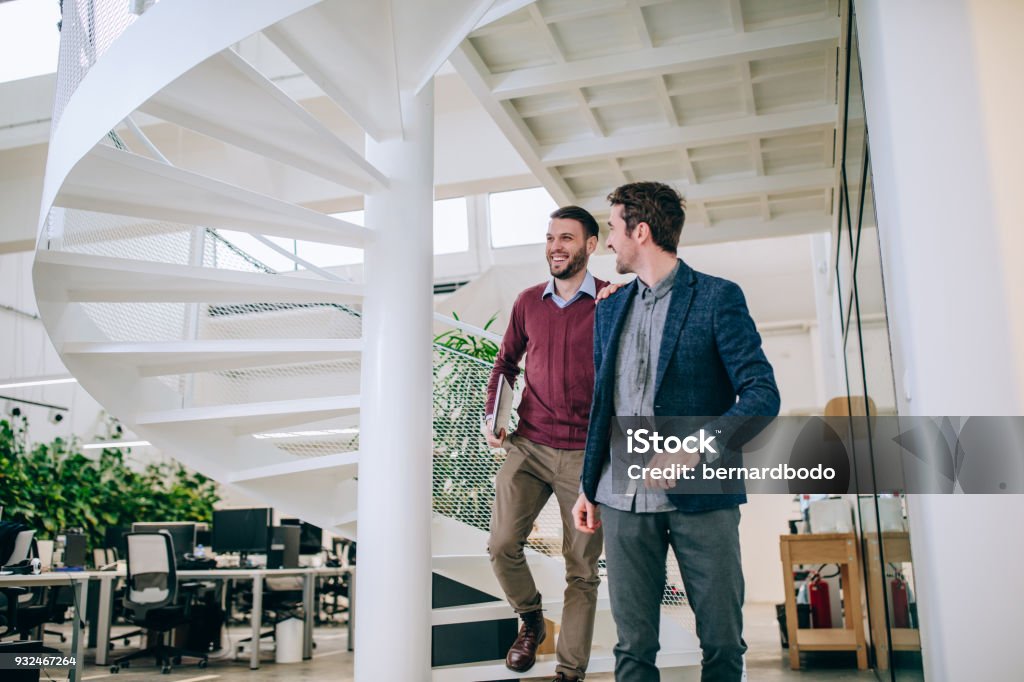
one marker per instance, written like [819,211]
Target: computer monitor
[241,530]
[183,535]
[311,538]
[204,536]
[113,538]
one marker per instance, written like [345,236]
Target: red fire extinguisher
[900,602]
[820,602]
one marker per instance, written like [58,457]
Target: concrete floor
[766,661]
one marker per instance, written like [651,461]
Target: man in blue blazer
[672,343]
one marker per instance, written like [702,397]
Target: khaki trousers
[530,474]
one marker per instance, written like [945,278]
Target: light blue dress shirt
[588,287]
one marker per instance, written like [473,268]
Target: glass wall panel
[872,312]
[856,132]
[888,565]
[844,262]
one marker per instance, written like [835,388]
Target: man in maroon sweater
[552,323]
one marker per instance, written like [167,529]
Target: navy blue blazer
[710,364]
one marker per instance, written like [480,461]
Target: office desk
[309,576]
[79,580]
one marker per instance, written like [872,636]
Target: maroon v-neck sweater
[559,348]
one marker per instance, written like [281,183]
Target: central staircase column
[393,585]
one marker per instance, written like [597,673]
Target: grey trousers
[707,547]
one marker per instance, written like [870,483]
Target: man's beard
[576,262]
[622,266]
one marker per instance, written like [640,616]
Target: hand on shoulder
[607,291]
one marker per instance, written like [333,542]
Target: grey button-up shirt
[636,371]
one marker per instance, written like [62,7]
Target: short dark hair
[656,204]
[580,215]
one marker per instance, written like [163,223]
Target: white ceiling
[733,101]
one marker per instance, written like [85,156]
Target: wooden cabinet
[826,548]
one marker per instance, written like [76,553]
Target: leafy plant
[54,486]
[464,466]
[474,346]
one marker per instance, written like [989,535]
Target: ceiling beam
[643,33]
[558,54]
[468,63]
[701,54]
[499,10]
[661,139]
[755,187]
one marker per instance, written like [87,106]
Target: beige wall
[999,55]
[21,188]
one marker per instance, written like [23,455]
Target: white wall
[943,107]
[762,520]
[26,352]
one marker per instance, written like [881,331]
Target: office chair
[20,543]
[9,609]
[150,599]
[25,609]
[47,605]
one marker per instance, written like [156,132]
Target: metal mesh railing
[337,436]
[106,234]
[464,466]
[157,241]
[282,382]
[88,28]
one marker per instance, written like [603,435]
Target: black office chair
[9,609]
[27,609]
[151,599]
[46,605]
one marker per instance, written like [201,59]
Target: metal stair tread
[601,661]
[228,99]
[347,49]
[494,610]
[236,411]
[87,278]
[341,460]
[114,181]
[203,355]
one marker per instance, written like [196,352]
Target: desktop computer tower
[74,549]
[284,547]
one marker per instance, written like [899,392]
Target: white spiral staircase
[288,386]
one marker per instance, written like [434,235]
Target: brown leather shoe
[560,677]
[523,653]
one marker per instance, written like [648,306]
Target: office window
[29,40]
[451,226]
[519,217]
